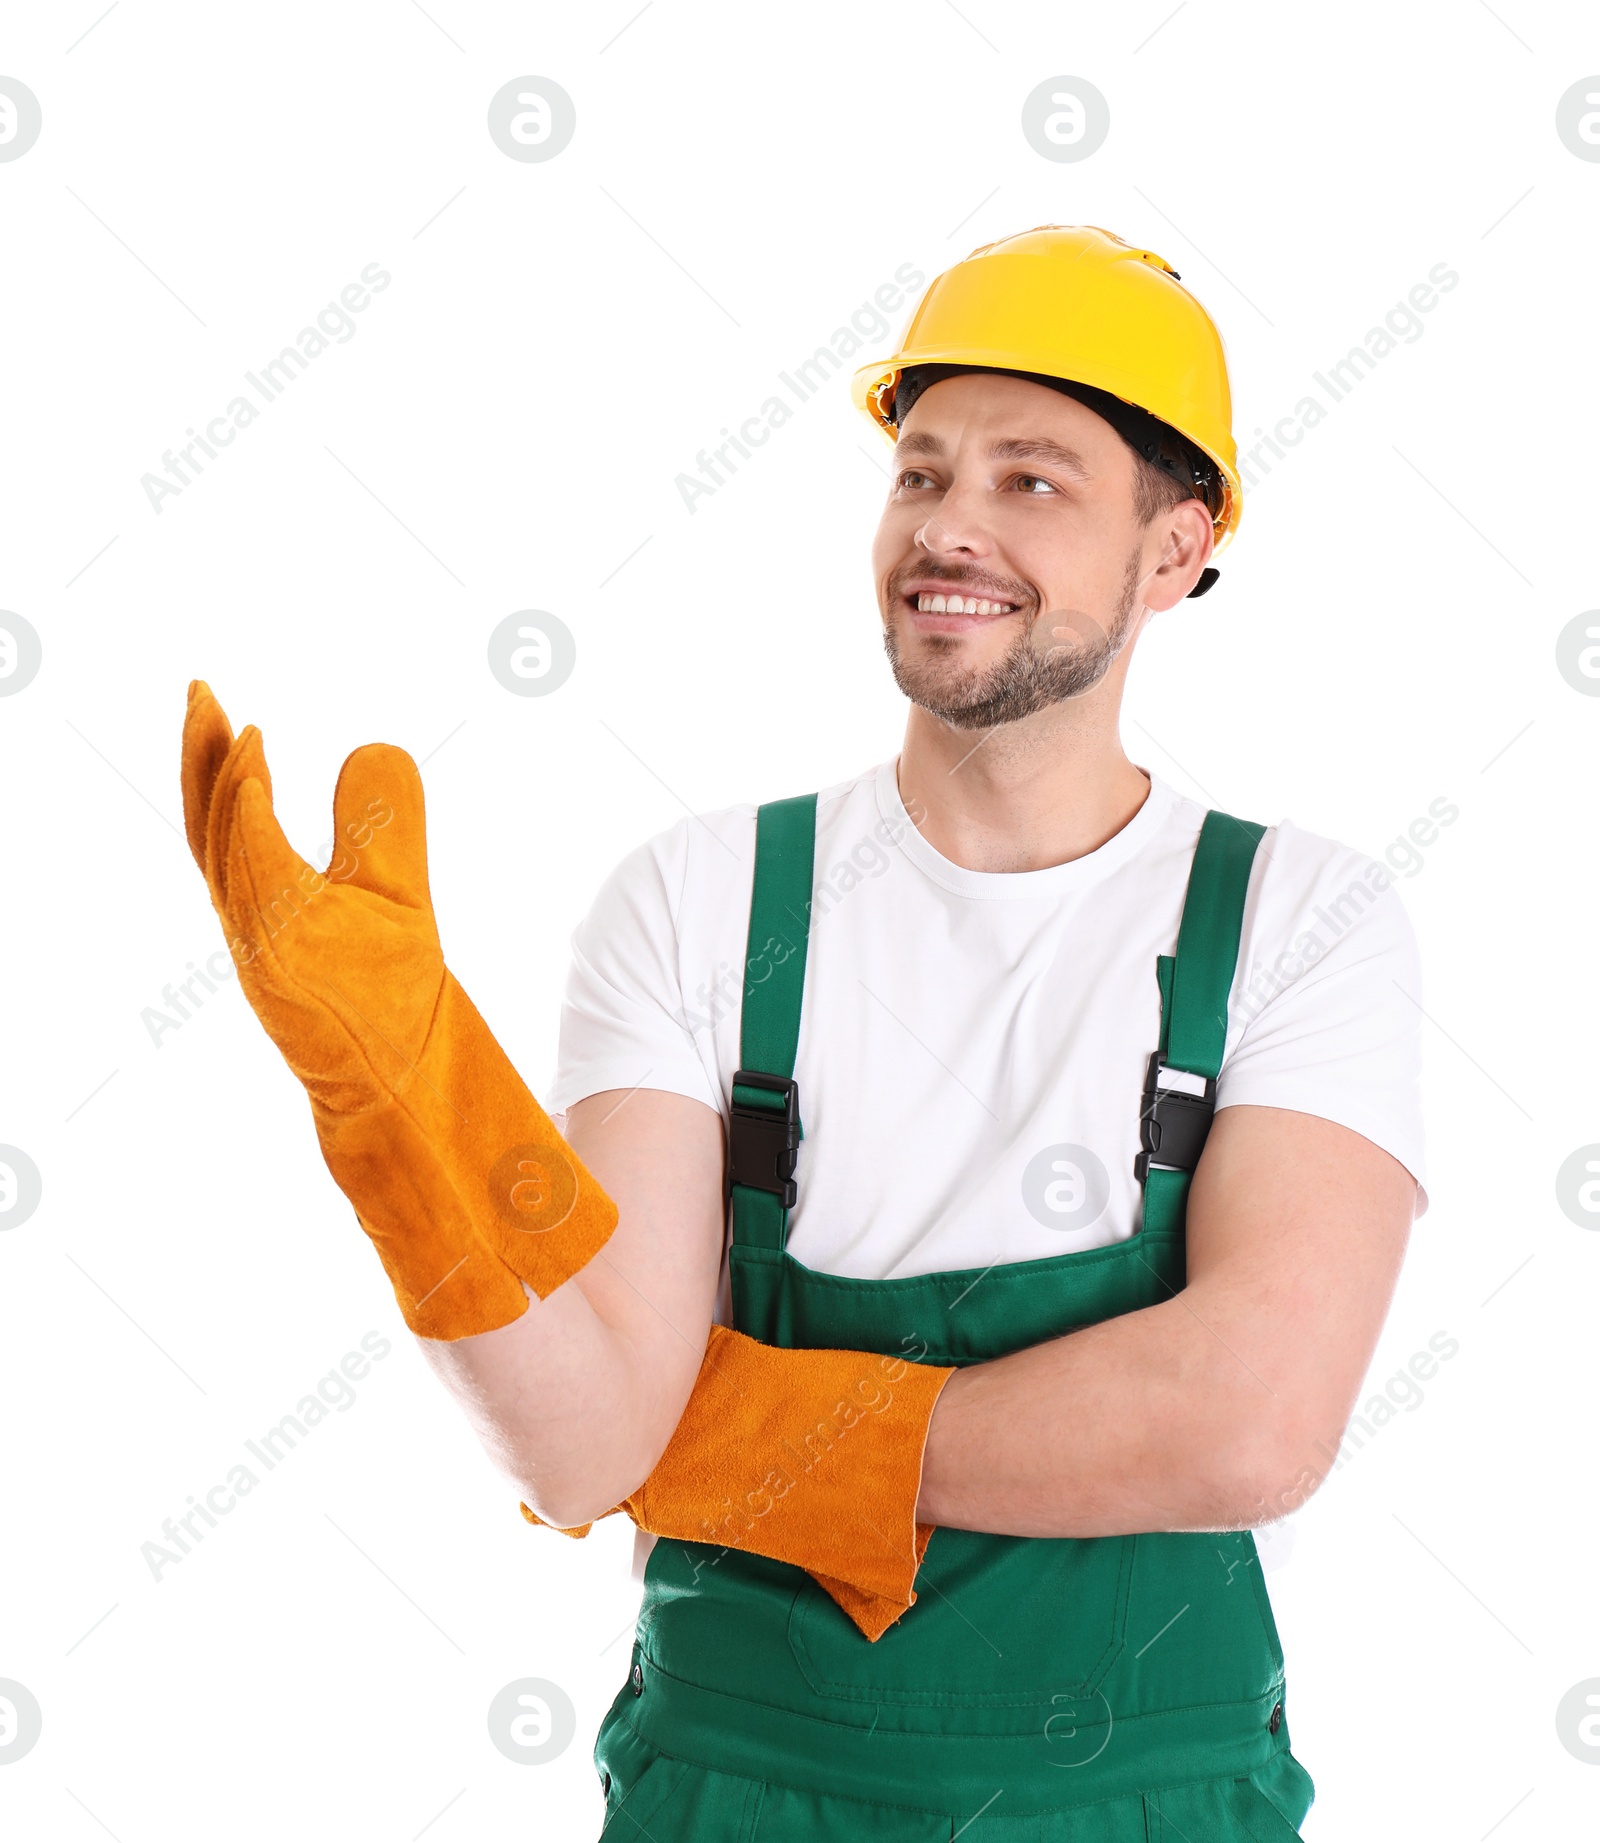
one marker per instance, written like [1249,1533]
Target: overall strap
[764,1126]
[1194,984]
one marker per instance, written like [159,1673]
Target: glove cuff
[463,1183]
[807,1456]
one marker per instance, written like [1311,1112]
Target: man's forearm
[559,1403]
[1144,1422]
[1222,1407]
[577,1399]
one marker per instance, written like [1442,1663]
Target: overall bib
[1120,1689]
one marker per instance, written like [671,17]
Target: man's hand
[456,1173]
[1221,1408]
[812,1457]
[305,939]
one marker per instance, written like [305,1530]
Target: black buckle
[761,1143]
[1173,1123]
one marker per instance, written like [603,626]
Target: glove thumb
[380,837]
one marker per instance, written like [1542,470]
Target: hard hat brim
[873,386]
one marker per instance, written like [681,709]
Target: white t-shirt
[973,1044]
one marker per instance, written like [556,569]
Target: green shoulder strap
[1194,985]
[765,1124]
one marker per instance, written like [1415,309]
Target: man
[1071,1135]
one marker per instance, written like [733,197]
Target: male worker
[983,1182]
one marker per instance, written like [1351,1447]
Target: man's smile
[948,608]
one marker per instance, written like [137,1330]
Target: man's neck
[1022,796]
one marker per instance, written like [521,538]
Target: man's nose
[959,524]
[946,531]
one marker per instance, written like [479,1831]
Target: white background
[502,433]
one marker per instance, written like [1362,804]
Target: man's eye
[910,476]
[1024,479]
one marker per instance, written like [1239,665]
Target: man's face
[1007,492]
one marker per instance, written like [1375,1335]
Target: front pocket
[1000,1621]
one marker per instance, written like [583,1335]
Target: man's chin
[1015,687]
[970,701]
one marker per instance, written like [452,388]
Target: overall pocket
[1200,1625]
[1000,1621]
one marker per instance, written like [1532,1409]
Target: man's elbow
[601,1458]
[571,1515]
[584,1484]
[1278,1468]
[572,1504]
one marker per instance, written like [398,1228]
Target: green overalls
[1109,1688]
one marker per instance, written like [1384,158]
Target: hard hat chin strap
[1148,436]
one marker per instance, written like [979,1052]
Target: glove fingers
[207,738]
[246,760]
[273,882]
[263,918]
[379,829]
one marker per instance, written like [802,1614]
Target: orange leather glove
[456,1172]
[806,1456]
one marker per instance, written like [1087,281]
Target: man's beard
[1025,680]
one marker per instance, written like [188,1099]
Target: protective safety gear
[456,1172]
[812,1457]
[1074,302]
[1155,441]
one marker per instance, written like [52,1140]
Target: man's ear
[1186,541]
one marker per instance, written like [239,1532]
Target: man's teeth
[958,604]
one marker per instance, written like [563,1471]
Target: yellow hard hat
[1073,302]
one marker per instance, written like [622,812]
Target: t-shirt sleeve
[1326,1012]
[623,1021]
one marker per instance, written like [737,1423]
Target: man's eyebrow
[1040,448]
[1012,448]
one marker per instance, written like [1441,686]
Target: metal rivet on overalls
[637,1680]
[1275,1721]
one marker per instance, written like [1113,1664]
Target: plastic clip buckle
[1173,1123]
[762,1143]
